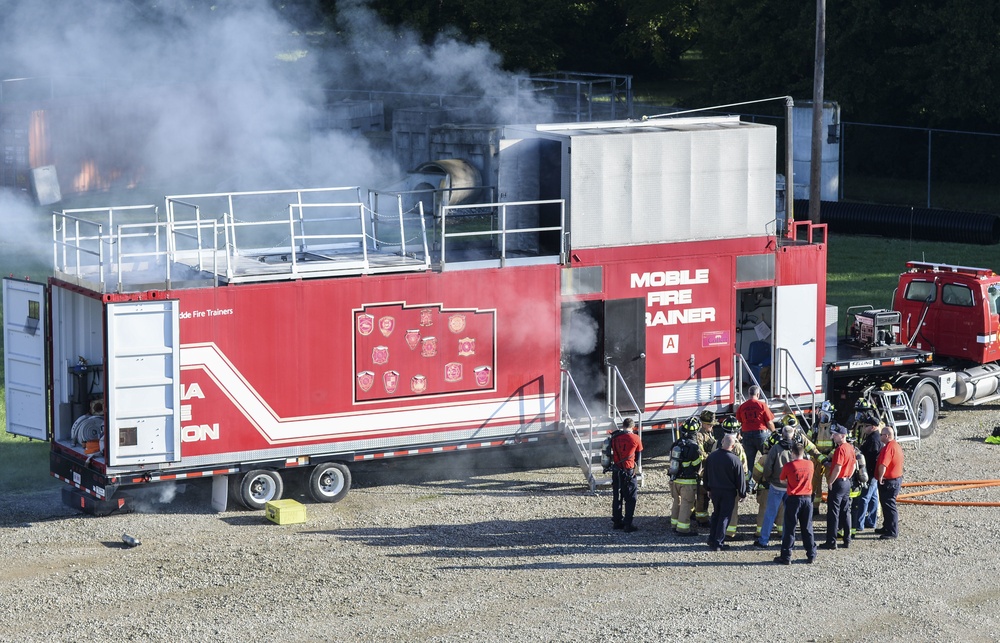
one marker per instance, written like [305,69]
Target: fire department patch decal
[397,353]
[386,324]
[456,323]
[390,379]
[452,372]
[365,380]
[366,324]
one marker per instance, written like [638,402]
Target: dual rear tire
[327,482]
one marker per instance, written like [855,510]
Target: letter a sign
[670,344]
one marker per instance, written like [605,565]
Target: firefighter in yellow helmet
[686,457]
[731,426]
[706,439]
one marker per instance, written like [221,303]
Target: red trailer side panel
[363,362]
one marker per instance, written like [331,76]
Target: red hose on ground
[954,485]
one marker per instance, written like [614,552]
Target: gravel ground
[462,548]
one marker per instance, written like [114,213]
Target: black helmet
[731,425]
[691,425]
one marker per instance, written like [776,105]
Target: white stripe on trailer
[276,429]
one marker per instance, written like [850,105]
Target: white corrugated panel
[650,186]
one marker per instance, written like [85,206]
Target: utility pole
[816,159]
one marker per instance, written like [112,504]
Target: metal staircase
[587,433]
[897,411]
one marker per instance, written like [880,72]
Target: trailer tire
[329,482]
[926,404]
[259,487]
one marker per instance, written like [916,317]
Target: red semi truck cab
[951,310]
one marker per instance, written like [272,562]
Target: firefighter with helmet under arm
[731,426]
[686,457]
[706,439]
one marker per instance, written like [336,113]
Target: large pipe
[900,222]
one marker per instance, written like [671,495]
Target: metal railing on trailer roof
[211,238]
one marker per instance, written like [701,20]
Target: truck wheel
[329,482]
[925,405]
[258,487]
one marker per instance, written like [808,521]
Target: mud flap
[121,503]
[220,492]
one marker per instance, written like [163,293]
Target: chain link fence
[929,168]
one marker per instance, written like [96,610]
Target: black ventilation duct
[901,222]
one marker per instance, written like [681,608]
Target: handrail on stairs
[569,384]
[740,364]
[784,352]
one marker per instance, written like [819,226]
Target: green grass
[865,270]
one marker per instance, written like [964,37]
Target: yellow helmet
[789,420]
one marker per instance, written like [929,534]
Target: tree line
[926,63]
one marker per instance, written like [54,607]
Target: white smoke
[227,96]
[579,331]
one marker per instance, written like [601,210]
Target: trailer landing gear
[329,482]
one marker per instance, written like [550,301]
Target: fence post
[929,133]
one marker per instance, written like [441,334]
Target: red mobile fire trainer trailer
[593,270]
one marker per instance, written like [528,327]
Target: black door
[625,347]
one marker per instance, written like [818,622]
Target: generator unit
[876,327]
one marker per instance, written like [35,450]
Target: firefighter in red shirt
[798,475]
[624,484]
[756,424]
[838,481]
[889,474]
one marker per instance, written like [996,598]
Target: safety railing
[87,243]
[500,251]
[785,359]
[584,442]
[740,367]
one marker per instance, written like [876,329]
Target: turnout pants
[683,493]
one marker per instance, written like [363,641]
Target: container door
[24,358]
[143,371]
[625,347]
[795,332]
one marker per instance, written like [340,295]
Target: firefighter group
[717,462]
